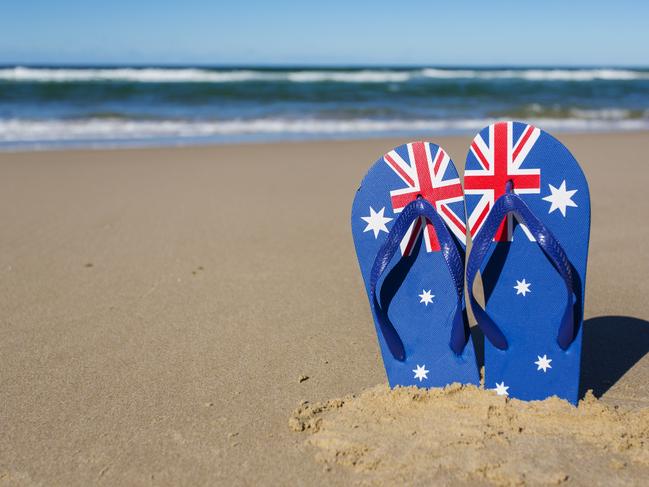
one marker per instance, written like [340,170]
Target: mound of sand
[461,435]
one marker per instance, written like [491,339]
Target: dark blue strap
[512,203]
[416,209]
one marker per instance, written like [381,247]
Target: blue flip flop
[409,231]
[529,218]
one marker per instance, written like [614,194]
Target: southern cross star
[376,222]
[543,363]
[522,287]
[560,198]
[426,297]
[501,389]
[420,372]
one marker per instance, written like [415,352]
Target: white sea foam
[14,131]
[540,74]
[363,76]
[197,75]
[143,75]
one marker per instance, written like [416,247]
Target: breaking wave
[20,131]
[204,75]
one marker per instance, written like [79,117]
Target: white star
[376,222]
[426,297]
[501,389]
[543,363]
[560,198]
[420,372]
[522,287]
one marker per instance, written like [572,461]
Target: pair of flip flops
[526,205]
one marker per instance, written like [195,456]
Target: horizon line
[326,65]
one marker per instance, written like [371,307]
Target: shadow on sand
[612,345]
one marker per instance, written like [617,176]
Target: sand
[461,435]
[163,312]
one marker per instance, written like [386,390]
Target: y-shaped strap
[416,209]
[512,203]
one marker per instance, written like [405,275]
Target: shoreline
[144,145]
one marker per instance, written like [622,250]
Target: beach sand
[165,313]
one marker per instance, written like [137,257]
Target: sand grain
[464,435]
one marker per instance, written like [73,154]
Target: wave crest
[201,75]
[99,129]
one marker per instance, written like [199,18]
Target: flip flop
[529,218]
[409,232]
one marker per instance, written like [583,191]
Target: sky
[328,32]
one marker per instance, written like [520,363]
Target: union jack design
[500,159]
[423,174]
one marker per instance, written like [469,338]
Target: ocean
[57,106]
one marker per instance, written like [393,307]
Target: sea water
[47,106]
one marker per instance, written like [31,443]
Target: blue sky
[549,32]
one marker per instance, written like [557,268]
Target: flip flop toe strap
[417,209]
[512,203]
